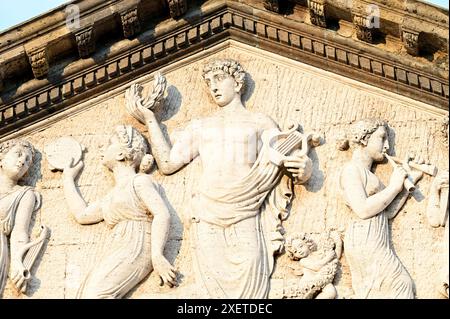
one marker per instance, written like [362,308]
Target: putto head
[16,157]
[128,145]
[299,245]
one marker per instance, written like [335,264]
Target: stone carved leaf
[135,102]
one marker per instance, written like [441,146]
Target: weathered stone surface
[319,100]
[177,7]
[85,41]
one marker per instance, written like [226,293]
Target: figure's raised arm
[169,159]
[83,213]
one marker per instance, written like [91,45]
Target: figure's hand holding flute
[418,164]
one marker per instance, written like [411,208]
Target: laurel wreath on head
[135,101]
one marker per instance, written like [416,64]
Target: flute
[426,168]
[408,184]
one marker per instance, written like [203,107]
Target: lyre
[281,144]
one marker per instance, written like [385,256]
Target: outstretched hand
[71,171]
[165,270]
[136,106]
[415,175]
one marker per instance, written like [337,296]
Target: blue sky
[13,12]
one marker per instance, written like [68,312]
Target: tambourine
[61,152]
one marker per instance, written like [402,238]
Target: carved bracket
[2,76]
[272,5]
[411,41]
[85,41]
[177,7]
[38,58]
[365,31]
[130,22]
[317,12]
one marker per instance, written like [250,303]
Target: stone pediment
[315,79]
[64,79]
[324,102]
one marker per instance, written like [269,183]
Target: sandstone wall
[285,90]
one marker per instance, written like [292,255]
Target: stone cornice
[215,22]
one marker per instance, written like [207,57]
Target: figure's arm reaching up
[83,213]
[169,159]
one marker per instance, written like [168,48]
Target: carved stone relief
[317,12]
[437,214]
[363,31]
[17,205]
[272,5]
[85,41]
[63,151]
[2,74]
[246,193]
[177,7]
[38,58]
[130,22]
[376,271]
[136,245]
[241,185]
[316,265]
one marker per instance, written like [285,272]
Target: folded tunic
[127,256]
[237,230]
[376,271]
[7,219]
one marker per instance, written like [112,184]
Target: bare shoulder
[265,120]
[30,198]
[349,169]
[349,172]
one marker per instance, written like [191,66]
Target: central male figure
[241,196]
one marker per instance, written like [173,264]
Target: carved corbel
[2,76]
[364,30]
[411,41]
[85,41]
[130,22]
[317,12]
[272,5]
[177,7]
[38,58]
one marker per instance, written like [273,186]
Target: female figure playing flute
[376,270]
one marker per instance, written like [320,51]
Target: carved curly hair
[6,146]
[360,132]
[134,146]
[296,241]
[228,66]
